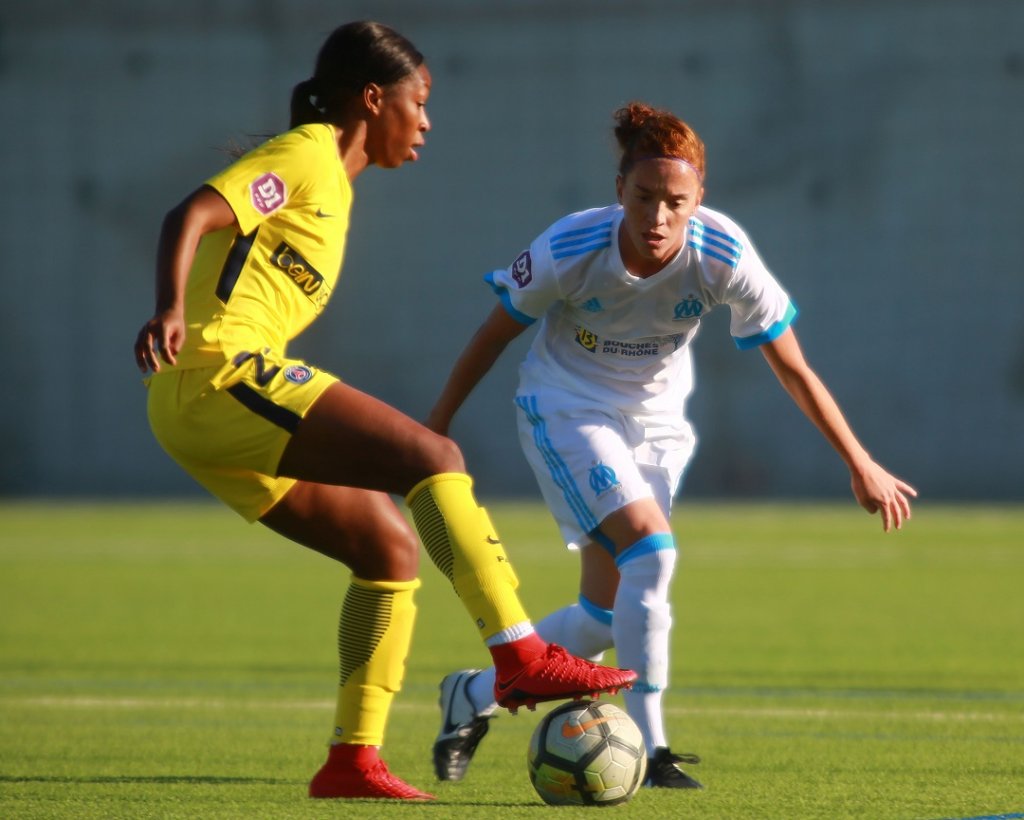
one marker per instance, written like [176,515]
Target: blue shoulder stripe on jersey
[606,243]
[731,261]
[559,470]
[581,240]
[602,226]
[596,612]
[506,301]
[771,333]
[565,244]
[651,543]
[716,244]
[727,247]
[731,240]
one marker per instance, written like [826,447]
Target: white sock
[643,619]
[584,629]
[509,634]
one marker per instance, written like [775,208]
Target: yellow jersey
[261,285]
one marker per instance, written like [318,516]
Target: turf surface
[172,661]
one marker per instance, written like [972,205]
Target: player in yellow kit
[244,264]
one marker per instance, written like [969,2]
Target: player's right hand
[160,338]
[878,491]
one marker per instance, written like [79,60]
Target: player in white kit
[619,293]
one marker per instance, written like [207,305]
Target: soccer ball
[587,753]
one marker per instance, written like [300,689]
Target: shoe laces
[559,661]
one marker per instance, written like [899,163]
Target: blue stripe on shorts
[559,470]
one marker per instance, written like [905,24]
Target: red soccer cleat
[558,675]
[358,771]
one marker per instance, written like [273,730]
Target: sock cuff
[645,546]
[436,479]
[386,586]
[511,633]
[599,614]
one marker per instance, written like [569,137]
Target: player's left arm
[475,361]
[203,211]
[875,489]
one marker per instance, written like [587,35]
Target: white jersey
[623,341]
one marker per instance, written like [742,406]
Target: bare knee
[363,530]
[443,455]
[393,557]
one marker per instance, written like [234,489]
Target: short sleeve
[268,178]
[760,308]
[529,286]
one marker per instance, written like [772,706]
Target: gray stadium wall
[873,150]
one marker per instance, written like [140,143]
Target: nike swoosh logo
[322,215]
[492,540]
[571,730]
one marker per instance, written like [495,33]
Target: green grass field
[172,661]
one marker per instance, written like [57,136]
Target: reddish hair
[644,132]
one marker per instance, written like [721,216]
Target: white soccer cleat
[461,727]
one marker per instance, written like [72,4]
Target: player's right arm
[201,212]
[483,350]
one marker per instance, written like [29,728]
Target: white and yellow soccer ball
[587,753]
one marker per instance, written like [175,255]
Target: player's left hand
[878,491]
[160,338]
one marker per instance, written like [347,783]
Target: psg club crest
[298,373]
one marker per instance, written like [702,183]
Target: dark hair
[354,55]
[644,132]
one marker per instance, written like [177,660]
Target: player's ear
[619,185]
[373,97]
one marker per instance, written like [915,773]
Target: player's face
[401,121]
[658,197]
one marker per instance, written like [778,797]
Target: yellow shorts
[228,426]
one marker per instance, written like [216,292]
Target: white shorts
[590,460]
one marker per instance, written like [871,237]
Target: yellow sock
[374,633]
[460,539]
